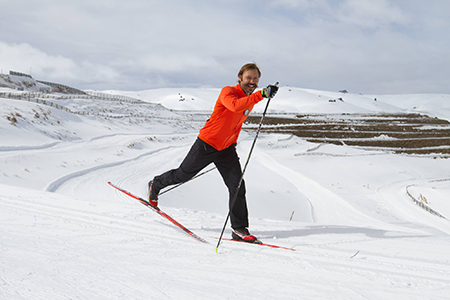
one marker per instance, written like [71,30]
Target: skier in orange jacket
[216,143]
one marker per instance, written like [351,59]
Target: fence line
[421,203]
[39,97]
[87,95]
[62,88]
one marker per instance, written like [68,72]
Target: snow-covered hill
[298,100]
[348,212]
[22,82]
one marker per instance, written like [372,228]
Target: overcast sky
[364,46]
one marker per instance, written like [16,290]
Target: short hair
[249,66]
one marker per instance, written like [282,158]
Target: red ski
[159,212]
[260,244]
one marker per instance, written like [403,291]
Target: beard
[248,88]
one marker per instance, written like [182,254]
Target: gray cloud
[362,46]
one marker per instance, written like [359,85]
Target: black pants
[226,161]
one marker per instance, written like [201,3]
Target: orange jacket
[232,108]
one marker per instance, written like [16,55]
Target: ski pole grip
[276,84]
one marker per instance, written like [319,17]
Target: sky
[362,46]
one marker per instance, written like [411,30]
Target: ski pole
[179,184]
[233,200]
[196,176]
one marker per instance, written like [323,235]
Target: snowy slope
[304,101]
[65,234]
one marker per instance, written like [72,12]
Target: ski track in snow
[394,195]
[66,234]
[328,256]
[55,185]
[332,256]
[116,271]
[27,148]
[321,199]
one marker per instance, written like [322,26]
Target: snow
[348,212]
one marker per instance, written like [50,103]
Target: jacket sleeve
[236,102]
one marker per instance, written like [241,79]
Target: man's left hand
[270,91]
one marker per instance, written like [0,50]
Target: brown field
[397,133]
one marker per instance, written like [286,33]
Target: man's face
[249,81]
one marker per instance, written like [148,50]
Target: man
[216,143]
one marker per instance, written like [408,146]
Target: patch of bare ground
[397,133]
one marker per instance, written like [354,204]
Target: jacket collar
[238,87]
